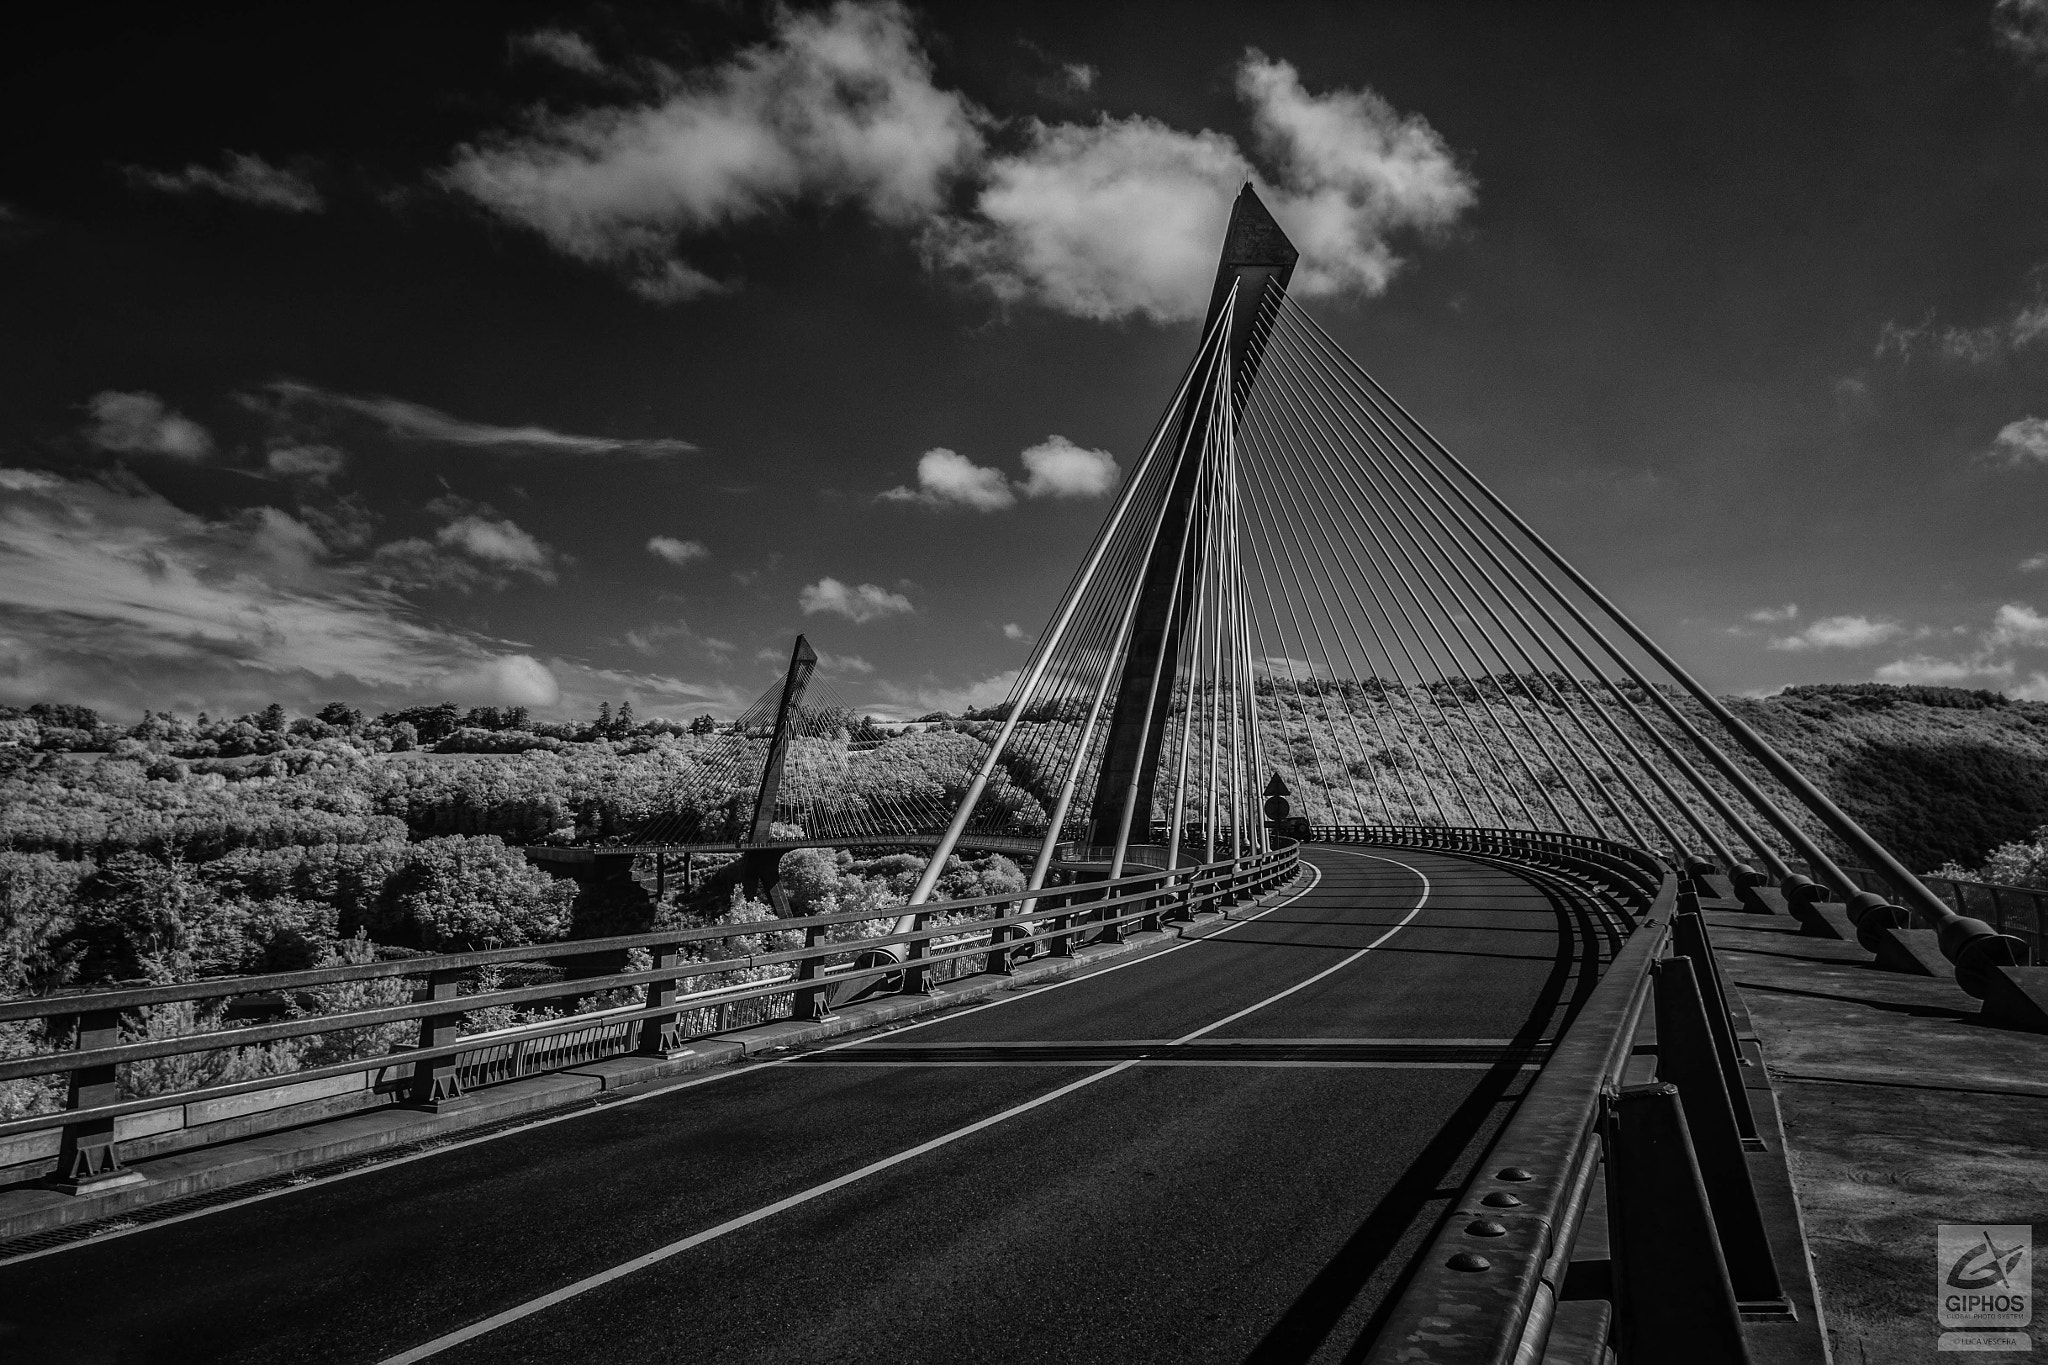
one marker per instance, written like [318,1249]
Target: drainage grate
[128,1220]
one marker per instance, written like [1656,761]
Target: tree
[66,715]
[272,719]
[430,724]
[703,725]
[458,893]
[622,724]
[340,715]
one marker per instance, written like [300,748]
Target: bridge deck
[1226,1147]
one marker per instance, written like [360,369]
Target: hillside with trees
[174,848]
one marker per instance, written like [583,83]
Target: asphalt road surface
[1225,1148]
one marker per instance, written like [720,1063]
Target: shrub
[457,893]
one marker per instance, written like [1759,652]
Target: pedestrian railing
[985,933]
[2021,911]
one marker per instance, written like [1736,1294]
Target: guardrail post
[1155,899]
[1686,1058]
[916,971]
[1179,886]
[87,1159]
[660,1034]
[811,1004]
[434,1081]
[1674,1304]
[997,963]
[1061,944]
[1108,908]
[1690,932]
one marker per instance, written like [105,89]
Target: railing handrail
[1109,905]
[59,1005]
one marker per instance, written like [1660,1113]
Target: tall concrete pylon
[1256,258]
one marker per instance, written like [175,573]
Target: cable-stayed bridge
[1357,997]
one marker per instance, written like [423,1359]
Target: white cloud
[2035,688]
[1112,219]
[1927,670]
[1108,220]
[1013,631]
[1121,218]
[946,478]
[500,542]
[1841,632]
[1060,469]
[2014,626]
[2021,28]
[2022,442]
[418,422]
[319,463]
[2033,563]
[677,552]
[142,424]
[110,595]
[2016,623]
[932,696]
[507,680]
[245,179]
[652,694]
[864,603]
[1054,468]
[835,106]
[565,49]
[1771,614]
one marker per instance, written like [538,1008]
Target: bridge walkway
[1224,1148]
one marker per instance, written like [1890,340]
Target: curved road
[1224,1148]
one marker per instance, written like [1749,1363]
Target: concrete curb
[25,1210]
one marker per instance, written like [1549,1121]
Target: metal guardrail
[944,934]
[1690,1268]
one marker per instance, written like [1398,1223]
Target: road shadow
[1585,939]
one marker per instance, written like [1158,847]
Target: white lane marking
[722,1073]
[676,1248]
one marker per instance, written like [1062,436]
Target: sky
[548,355]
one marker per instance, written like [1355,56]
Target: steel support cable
[1735,822]
[1428,735]
[1758,748]
[1279,564]
[1294,685]
[1187,664]
[1433,791]
[1593,820]
[1241,729]
[1325,438]
[1457,736]
[1212,566]
[1057,818]
[922,892]
[1217,381]
[1176,826]
[1287,655]
[1679,803]
[1656,817]
[1211,649]
[1266,523]
[1259,438]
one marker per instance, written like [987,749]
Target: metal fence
[945,938]
[2017,910]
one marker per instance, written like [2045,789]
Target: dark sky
[551,354]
